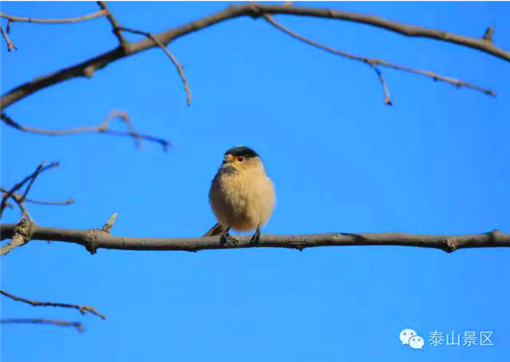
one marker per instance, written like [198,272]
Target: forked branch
[178,66]
[30,178]
[82,308]
[374,63]
[102,128]
[10,44]
[88,67]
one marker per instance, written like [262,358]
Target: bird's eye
[240,159]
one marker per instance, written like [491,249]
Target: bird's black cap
[242,151]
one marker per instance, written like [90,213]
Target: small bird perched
[242,196]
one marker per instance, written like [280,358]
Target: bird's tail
[215,230]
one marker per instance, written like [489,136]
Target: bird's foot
[228,240]
[255,239]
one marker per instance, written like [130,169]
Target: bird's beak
[228,159]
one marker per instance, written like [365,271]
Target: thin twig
[54,322]
[50,203]
[10,45]
[387,97]
[12,191]
[113,22]
[82,308]
[39,202]
[94,239]
[78,19]
[30,183]
[21,204]
[179,67]
[374,62]
[102,129]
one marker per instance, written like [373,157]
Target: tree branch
[12,191]
[17,200]
[113,22]
[88,67]
[391,25]
[102,129]
[93,239]
[50,203]
[82,308]
[22,234]
[179,67]
[59,323]
[373,63]
[21,19]
[10,44]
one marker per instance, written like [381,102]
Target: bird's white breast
[242,200]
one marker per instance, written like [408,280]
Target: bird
[242,196]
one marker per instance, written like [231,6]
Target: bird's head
[241,158]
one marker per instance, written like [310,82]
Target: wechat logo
[412,339]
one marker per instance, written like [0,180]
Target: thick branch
[88,67]
[58,323]
[82,308]
[96,239]
[101,128]
[22,234]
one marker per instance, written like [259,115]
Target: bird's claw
[255,239]
[228,240]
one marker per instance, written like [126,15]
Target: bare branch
[50,203]
[21,205]
[94,239]
[374,62]
[38,202]
[12,19]
[31,182]
[113,22]
[88,67]
[22,234]
[10,44]
[102,129]
[179,67]
[12,191]
[82,308]
[387,97]
[78,19]
[379,22]
[59,323]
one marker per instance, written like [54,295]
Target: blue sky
[436,162]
